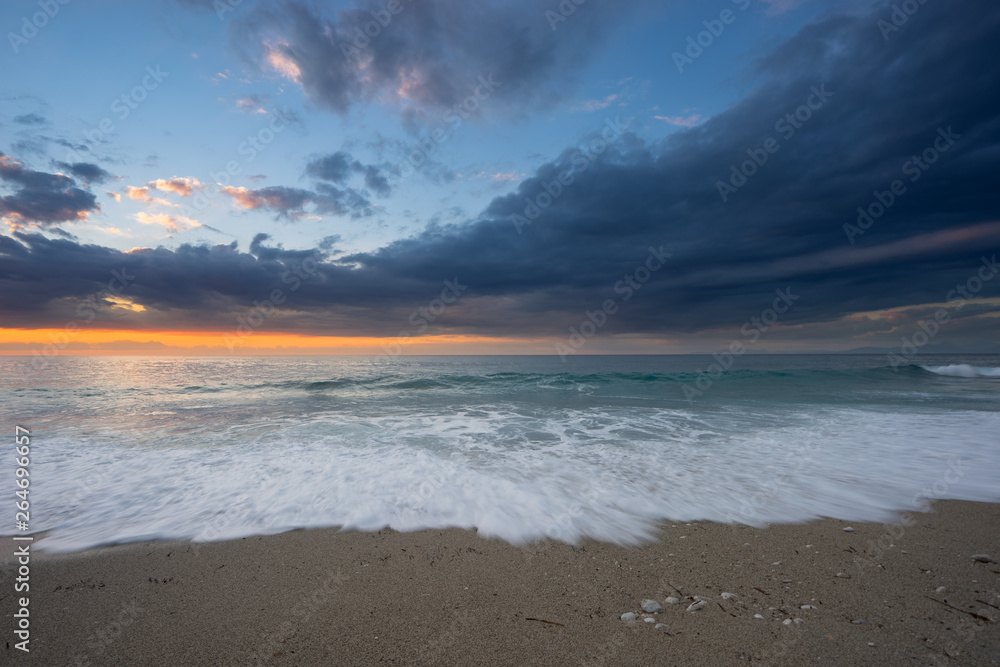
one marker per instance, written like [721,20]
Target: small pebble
[983,558]
[629,616]
[848,530]
[651,607]
[843,576]
[672,600]
[760,616]
[777,562]
[696,605]
[941,589]
[871,643]
[807,606]
[859,621]
[799,621]
[787,621]
[660,625]
[649,620]
[729,596]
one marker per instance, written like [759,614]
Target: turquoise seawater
[520,448]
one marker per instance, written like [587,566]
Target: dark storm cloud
[338,167]
[41,197]
[335,167]
[342,201]
[30,119]
[86,172]
[291,203]
[332,195]
[431,52]
[197,287]
[285,201]
[784,228]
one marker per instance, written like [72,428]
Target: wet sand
[320,597]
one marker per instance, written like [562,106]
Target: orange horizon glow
[115,341]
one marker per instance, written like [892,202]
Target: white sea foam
[964,371]
[608,474]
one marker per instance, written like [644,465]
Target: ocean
[519,448]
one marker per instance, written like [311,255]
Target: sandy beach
[877,594]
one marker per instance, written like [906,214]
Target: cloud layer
[45,199]
[839,116]
[428,54]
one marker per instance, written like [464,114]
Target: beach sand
[319,597]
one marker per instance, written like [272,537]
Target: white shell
[696,605]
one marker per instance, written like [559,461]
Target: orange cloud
[242,197]
[139,194]
[282,64]
[142,194]
[112,230]
[183,187]
[173,223]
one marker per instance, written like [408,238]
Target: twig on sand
[970,613]
[542,620]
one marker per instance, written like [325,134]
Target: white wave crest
[964,371]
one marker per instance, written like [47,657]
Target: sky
[526,177]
